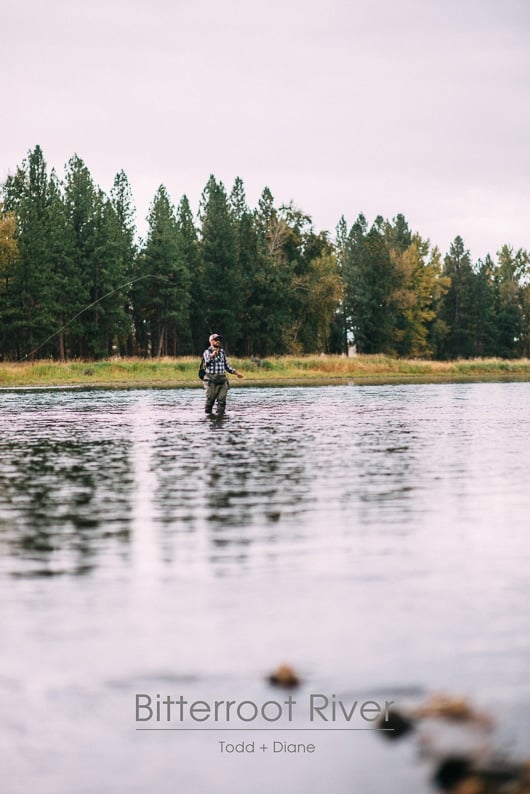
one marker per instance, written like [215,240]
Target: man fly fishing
[216,365]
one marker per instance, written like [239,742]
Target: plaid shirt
[217,365]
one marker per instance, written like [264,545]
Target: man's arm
[209,354]
[231,369]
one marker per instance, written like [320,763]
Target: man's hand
[239,375]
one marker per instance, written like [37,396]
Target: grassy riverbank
[274,371]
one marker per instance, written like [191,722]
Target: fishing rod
[107,295]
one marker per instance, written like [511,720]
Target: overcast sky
[342,106]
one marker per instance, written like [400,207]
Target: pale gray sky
[380,106]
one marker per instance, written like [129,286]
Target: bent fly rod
[94,303]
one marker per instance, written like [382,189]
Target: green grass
[284,370]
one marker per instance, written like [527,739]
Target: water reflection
[288,474]
[375,537]
[79,470]
[61,501]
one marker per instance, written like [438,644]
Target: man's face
[216,341]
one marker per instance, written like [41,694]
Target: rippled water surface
[376,538]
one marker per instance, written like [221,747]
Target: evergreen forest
[76,281]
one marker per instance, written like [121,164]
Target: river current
[375,538]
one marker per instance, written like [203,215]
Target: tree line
[77,282]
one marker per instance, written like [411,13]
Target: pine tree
[221,279]
[398,236]
[122,231]
[338,340]
[162,297]
[247,267]
[197,329]
[369,279]
[272,296]
[456,308]
[509,279]
[30,298]
[483,304]
[88,222]
[67,285]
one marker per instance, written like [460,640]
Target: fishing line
[94,303]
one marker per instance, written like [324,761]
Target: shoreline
[285,371]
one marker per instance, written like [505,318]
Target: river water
[376,538]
